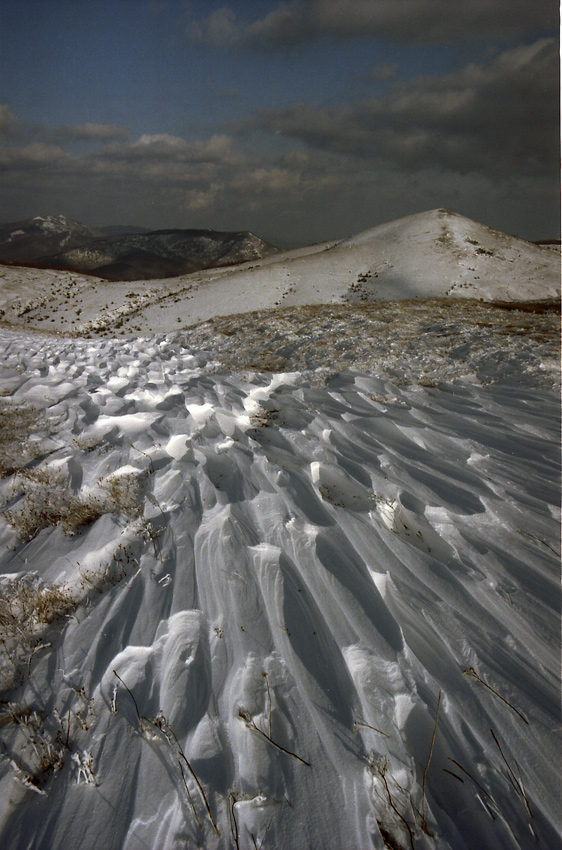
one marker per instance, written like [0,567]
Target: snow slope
[432,254]
[244,609]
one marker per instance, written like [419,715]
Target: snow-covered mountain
[433,254]
[124,253]
[28,240]
[160,254]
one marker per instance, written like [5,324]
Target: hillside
[432,254]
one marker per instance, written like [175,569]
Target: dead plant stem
[424,823]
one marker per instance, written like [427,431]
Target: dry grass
[42,500]
[37,746]
[17,423]
[27,607]
[160,723]
[384,338]
[38,755]
[529,306]
[48,502]
[245,715]
[121,494]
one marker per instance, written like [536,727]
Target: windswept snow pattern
[281,614]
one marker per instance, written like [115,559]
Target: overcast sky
[301,120]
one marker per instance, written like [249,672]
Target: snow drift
[245,610]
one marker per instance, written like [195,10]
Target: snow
[315,606]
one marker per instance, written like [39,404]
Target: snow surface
[310,608]
[319,563]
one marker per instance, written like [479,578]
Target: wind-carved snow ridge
[272,613]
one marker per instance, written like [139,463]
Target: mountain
[124,253]
[28,240]
[160,253]
[431,254]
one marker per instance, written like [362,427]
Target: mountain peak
[27,240]
[58,223]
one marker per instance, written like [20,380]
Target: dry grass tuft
[27,607]
[121,494]
[16,424]
[47,502]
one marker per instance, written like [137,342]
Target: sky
[302,120]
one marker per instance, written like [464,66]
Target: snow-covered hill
[433,254]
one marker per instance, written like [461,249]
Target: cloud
[34,156]
[9,125]
[219,28]
[499,118]
[166,150]
[162,180]
[482,140]
[90,131]
[195,174]
[295,21]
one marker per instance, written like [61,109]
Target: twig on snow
[470,671]
[424,823]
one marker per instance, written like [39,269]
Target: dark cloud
[33,157]
[10,126]
[164,173]
[499,118]
[411,21]
[166,150]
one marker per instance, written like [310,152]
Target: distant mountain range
[124,253]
